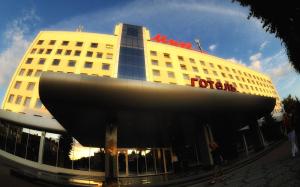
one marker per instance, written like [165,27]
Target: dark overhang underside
[143,111]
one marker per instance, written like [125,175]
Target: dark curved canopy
[143,111]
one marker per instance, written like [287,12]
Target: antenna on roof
[197,41]
[79,28]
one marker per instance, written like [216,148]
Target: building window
[202,62]
[79,44]
[237,78]
[215,73]
[230,76]
[11,98]
[68,52]
[205,71]
[48,51]
[40,42]
[42,61]
[99,55]
[109,46]
[105,66]
[109,56]
[29,72]
[30,86]
[153,53]
[56,62]
[52,42]
[41,51]
[211,65]
[65,43]
[88,64]
[18,100]
[94,45]
[29,60]
[227,68]
[192,60]
[154,62]
[195,69]
[33,51]
[223,74]
[220,67]
[27,101]
[71,63]
[17,84]
[169,64]
[186,76]
[180,58]
[233,70]
[183,67]
[77,53]
[38,103]
[38,73]
[58,51]
[156,72]
[21,73]
[166,55]
[171,74]
[89,54]
[241,86]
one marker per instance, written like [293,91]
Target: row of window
[206,71]
[78,43]
[71,63]
[18,100]
[203,63]
[68,52]
[30,85]
[187,77]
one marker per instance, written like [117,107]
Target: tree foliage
[281,18]
[291,105]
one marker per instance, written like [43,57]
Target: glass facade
[61,150]
[132,58]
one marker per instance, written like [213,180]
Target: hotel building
[75,62]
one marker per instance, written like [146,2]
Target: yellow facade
[98,55]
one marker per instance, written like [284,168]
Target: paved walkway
[276,168]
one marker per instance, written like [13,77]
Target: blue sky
[222,27]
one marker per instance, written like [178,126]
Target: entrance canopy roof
[142,110]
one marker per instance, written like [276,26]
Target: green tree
[281,18]
[65,147]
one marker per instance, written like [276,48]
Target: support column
[204,146]
[164,160]
[257,136]
[111,156]
[245,144]
[41,148]
[126,163]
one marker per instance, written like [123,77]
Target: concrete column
[204,146]
[245,144]
[261,137]
[126,163]
[256,136]
[164,160]
[154,160]
[111,156]
[41,148]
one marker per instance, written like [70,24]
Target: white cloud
[263,45]
[255,56]
[14,36]
[256,65]
[236,61]
[212,47]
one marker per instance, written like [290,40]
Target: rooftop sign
[163,39]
